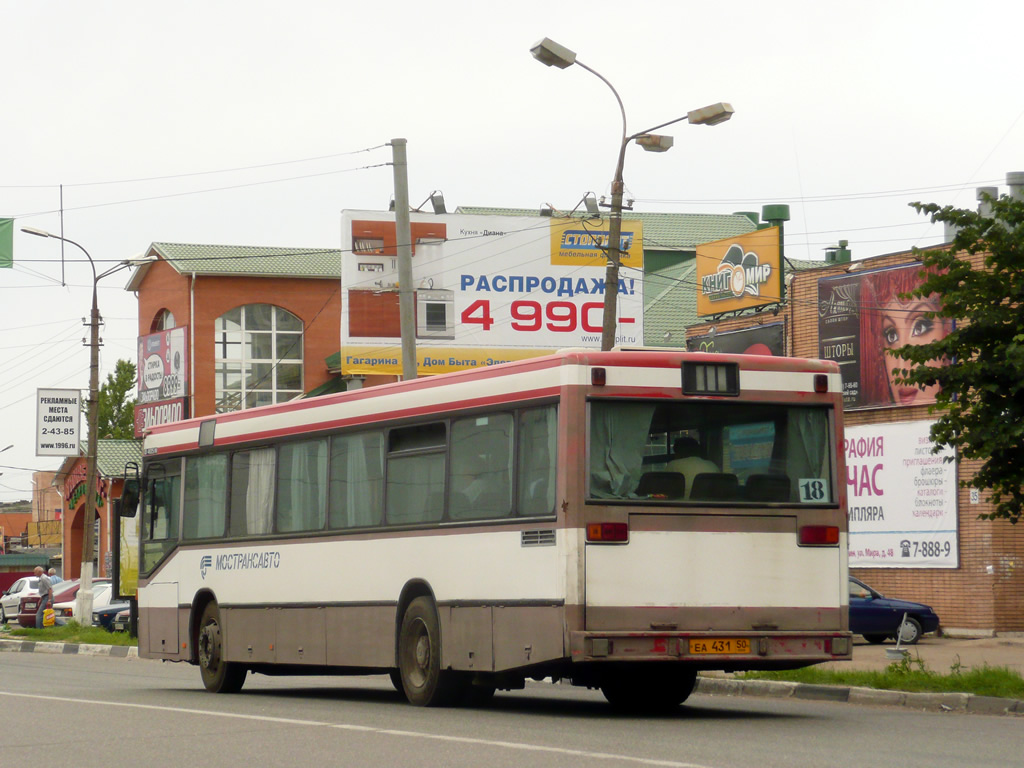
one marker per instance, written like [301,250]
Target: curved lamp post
[83,604]
[554,55]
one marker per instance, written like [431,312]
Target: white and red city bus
[537,519]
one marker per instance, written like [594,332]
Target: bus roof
[636,371]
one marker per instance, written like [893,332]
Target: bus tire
[653,688]
[219,676]
[419,659]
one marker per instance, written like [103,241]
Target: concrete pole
[403,235]
[83,601]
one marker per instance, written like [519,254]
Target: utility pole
[403,236]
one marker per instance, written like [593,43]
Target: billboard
[759,340]
[902,498]
[739,272]
[861,319]
[162,374]
[163,366]
[488,289]
[58,422]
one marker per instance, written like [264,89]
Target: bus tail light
[819,536]
[607,532]
[598,377]
[820,383]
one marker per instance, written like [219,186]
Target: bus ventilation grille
[542,538]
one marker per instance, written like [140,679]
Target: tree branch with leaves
[979,365]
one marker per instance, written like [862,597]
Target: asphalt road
[99,711]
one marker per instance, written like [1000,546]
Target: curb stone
[932,702]
[84,649]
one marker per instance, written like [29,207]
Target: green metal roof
[250,260]
[662,231]
[112,455]
[20,560]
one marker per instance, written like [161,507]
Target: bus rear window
[708,453]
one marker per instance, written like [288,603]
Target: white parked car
[101,592]
[11,599]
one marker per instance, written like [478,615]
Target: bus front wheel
[419,659]
[219,675]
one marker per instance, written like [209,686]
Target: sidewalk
[941,654]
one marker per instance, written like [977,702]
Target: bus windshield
[705,452]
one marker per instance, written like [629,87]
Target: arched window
[163,321]
[257,357]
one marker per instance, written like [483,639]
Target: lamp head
[710,115]
[653,142]
[549,52]
[36,232]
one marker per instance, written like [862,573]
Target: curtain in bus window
[807,442]
[415,491]
[357,480]
[302,486]
[481,469]
[259,492]
[618,438]
[538,436]
[206,489]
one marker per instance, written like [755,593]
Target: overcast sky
[257,123]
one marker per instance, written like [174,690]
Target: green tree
[982,373]
[116,417]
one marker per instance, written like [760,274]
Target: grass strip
[911,675]
[73,632]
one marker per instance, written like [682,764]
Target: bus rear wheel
[419,659]
[653,688]
[219,675]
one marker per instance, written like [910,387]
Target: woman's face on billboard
[904,324]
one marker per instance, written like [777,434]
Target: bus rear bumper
[732,651]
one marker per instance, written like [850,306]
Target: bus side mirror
[129,501]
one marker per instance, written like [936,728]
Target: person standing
[54,578]
[45,588]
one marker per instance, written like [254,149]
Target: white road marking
[370,729]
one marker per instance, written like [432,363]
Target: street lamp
[554,55]
[83,605]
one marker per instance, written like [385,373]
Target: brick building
[260,322]
[984,592]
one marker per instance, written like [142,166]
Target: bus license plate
[720,645]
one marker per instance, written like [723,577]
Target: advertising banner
[488,289]
[861,319]
[902,498]
[163,366]
[58,422]
[739,272]
[759,340]
[150,415]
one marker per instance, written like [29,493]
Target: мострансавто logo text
[240,561]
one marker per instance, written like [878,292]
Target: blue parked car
[104,617]
[878,618]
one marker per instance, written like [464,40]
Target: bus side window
[252,492]
[206,491]
[357,480]
[160,521]
[416,474]
[537,441]
[302,486]
[481,471]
